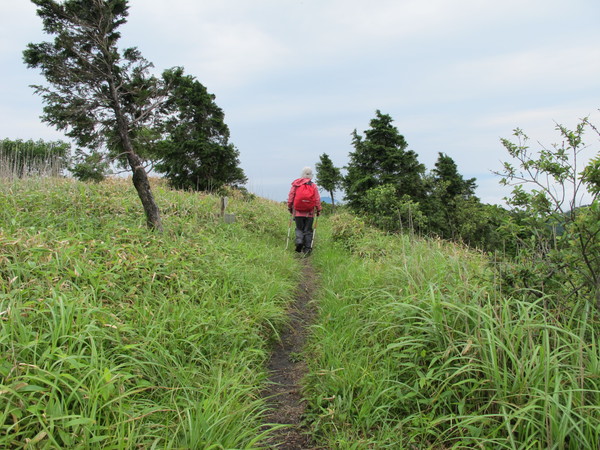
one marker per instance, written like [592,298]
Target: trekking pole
[287,242]
[314,233]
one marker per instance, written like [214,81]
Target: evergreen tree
[381,158]
[196,153]
[451,182]
[449,196]
[102,97]
[329,177]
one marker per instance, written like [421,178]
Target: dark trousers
[304,233]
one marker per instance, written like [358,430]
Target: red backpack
[305,199]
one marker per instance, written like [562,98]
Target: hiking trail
[283,392]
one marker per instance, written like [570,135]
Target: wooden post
[227,218]
[224,202]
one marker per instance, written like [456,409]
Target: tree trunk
[332,200]
[142,186]
[140,177]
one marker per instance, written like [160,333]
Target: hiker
[304,202]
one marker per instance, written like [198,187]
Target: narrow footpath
[287,369]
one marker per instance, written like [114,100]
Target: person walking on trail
[304,202]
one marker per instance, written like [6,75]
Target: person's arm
[290,201]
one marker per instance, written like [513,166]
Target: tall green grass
[414,348]
[114,337]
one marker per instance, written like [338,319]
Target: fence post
[224,202]
[227,218]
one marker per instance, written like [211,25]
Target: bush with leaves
[347,229]
[557,234]
[386,210]
[89,166]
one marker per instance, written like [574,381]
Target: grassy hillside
[116,337]
[415,348]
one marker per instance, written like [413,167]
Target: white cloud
[236,54]
[210,39]
[535,117]
[542,67]
[389,18]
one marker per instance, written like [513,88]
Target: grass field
[119,338]
[116,337]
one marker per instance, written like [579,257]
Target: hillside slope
[113,336]
[415,347]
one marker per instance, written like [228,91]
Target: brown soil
[284,391]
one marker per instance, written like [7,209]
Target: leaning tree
[100,96]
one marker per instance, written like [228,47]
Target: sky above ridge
[296,77]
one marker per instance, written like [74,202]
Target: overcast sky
[296,77]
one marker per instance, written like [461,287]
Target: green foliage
[591,173]
[451,183]
[553,173]
[558,236]
[89,167]
[26,158]
[196,154]
[481,226]
[386,183]
[389,212]
[105,98]
[347,229]
[452,210]
[381,158]
[329,177]
[114,338]
[591,176]
[100,96]
[92,86]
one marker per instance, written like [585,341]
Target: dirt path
[287,370]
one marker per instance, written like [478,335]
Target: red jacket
[292,194]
